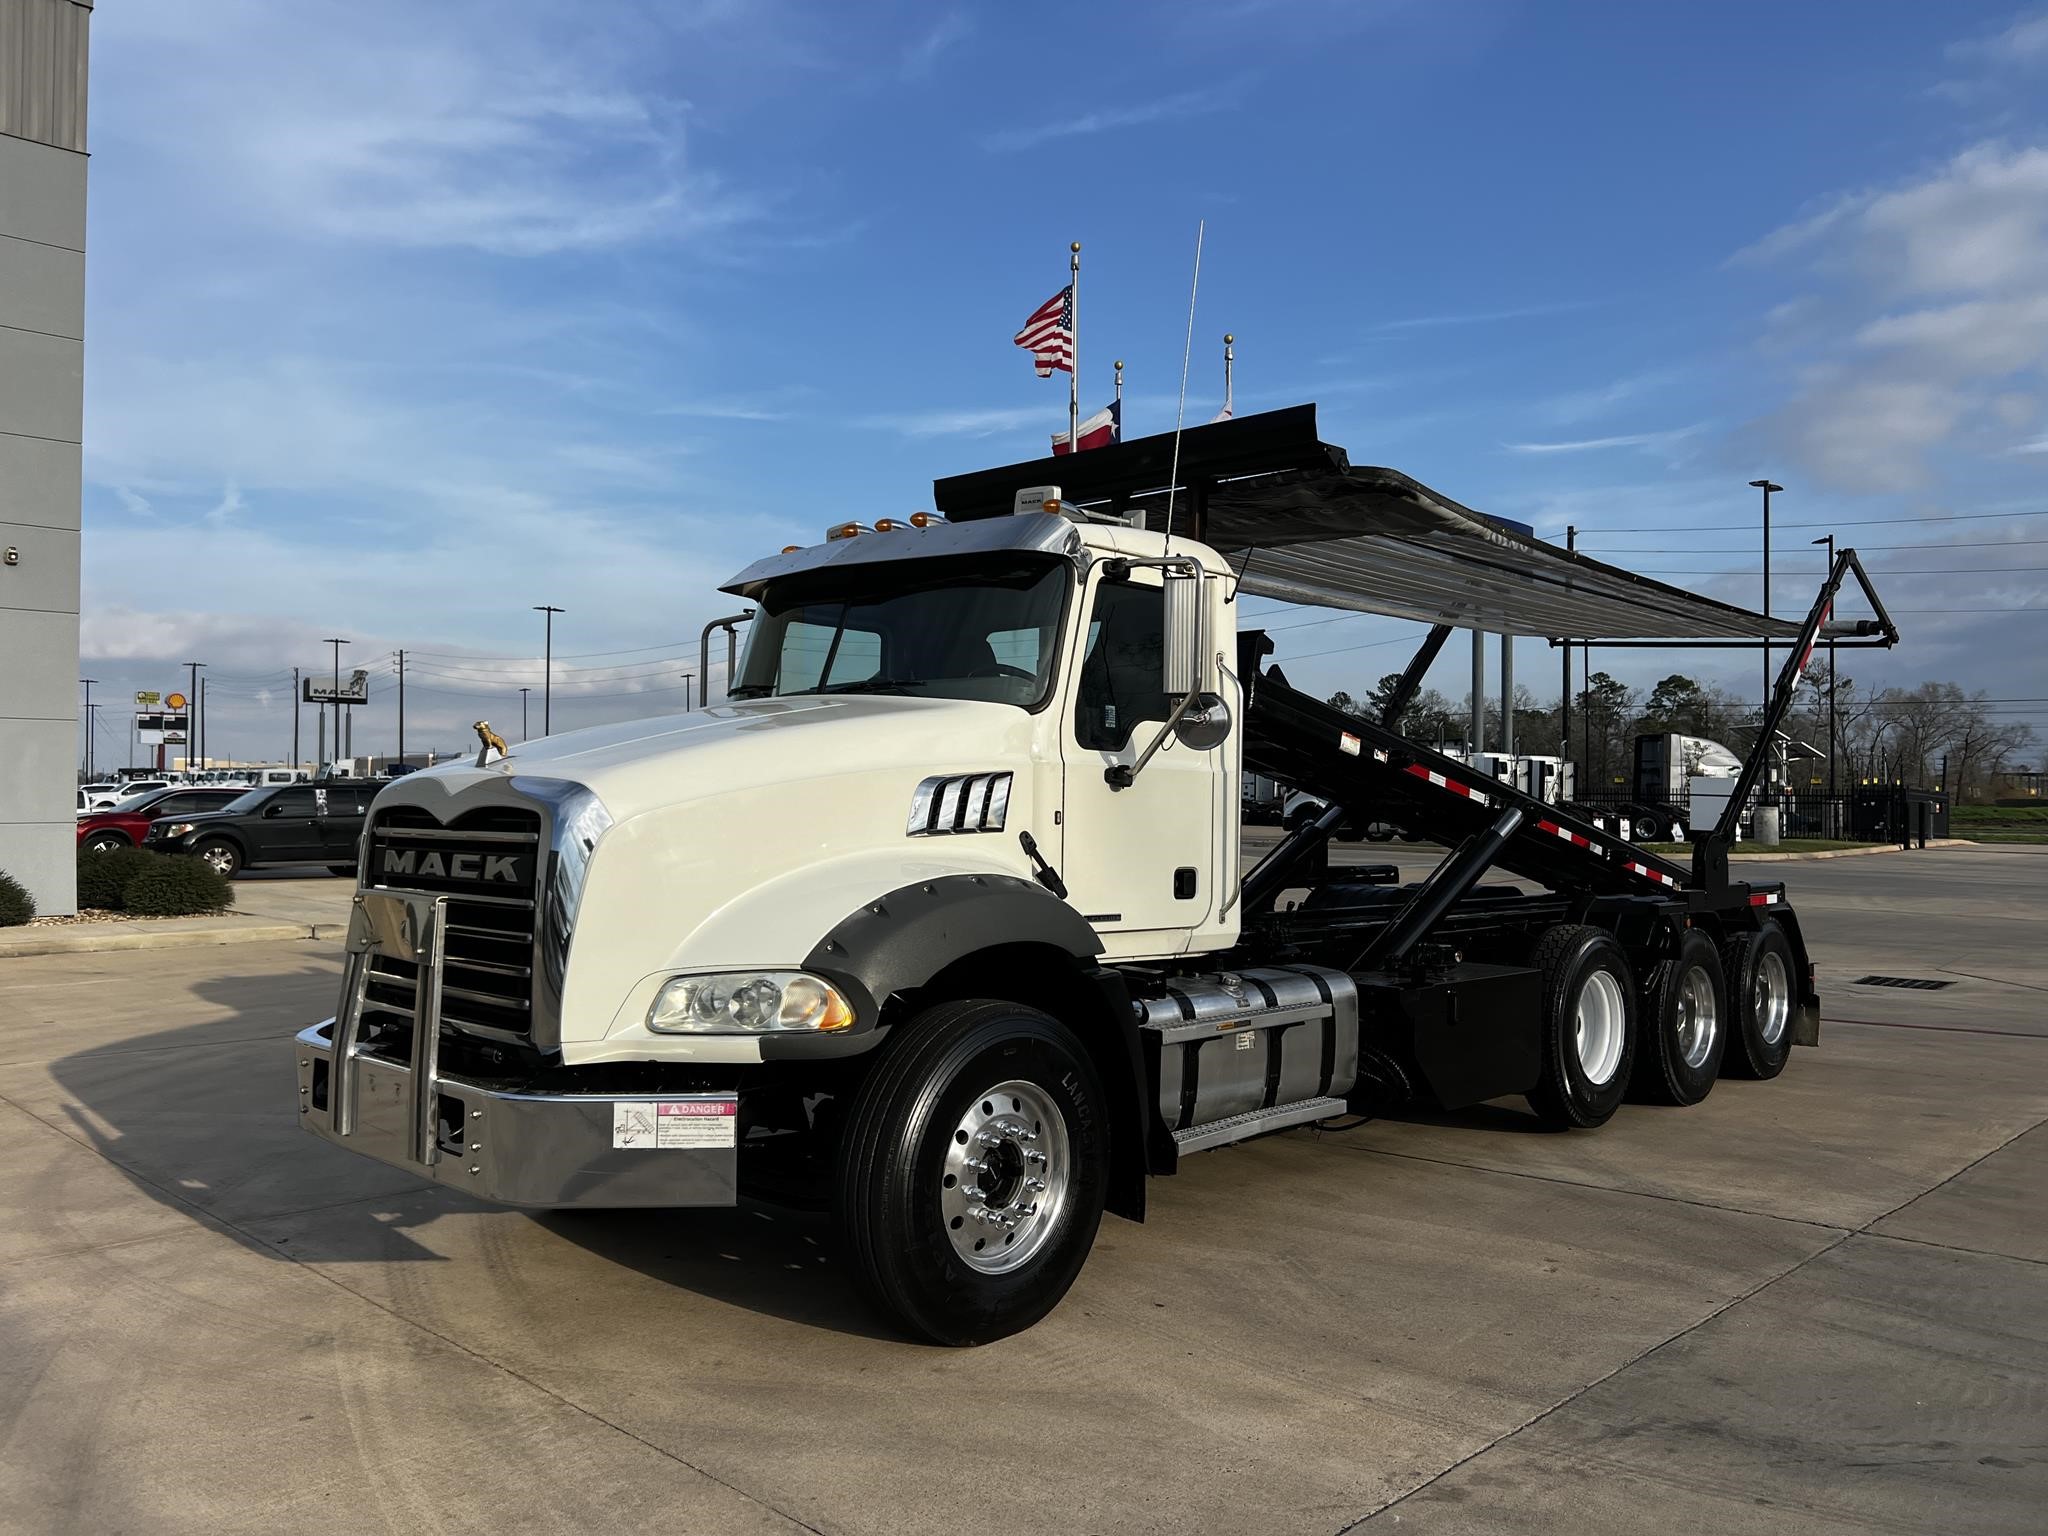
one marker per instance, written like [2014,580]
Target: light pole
[334,699]
[1829,540]
[522,712]
[547,678]
[1767,487]
[88,681]
[192,716]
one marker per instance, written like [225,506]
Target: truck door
[1140,861]
[287,830]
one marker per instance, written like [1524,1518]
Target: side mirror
[273,809]
[1187,635]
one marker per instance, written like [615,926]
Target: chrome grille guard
[410,928]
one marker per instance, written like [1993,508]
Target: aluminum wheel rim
[1006,1177]
[219,860]
[1698,1019]
[1772,998]
[1599,1027]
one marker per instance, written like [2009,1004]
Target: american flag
[1049,333]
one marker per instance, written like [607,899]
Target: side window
[1122,666]
[1016,648]
[804,649]
[294,802]
[184,805]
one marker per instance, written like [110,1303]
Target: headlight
[177,829]
[748,1003]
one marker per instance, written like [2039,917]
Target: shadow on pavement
[203,1120]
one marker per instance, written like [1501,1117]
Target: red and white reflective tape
[1451,784]
[1571,837]
[1825,614]
[1765,899]
[1649,874]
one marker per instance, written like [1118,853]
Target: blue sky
[404,318]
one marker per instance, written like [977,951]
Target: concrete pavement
[1819,1304]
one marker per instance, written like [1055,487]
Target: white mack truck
[940,919]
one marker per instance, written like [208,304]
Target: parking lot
[1813,1305]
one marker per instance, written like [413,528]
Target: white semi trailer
[940,917]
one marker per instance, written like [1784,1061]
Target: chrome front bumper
[534,1149]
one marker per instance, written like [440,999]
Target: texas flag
[1106,426]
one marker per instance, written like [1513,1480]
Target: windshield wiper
[871,685]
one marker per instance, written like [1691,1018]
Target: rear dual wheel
[1684,1024]
[1759,968]
[1589,1027]
[974,1171]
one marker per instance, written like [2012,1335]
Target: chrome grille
[490,933]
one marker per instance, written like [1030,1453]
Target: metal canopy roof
[1306,526]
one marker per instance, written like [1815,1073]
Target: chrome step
[1257,1122]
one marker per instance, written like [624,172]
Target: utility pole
[88,681]
[334,698]
[547,676]
[688,679]
[1767,487]
[192,715]
[296,691]
[522,712]
[401,706]
[203,760]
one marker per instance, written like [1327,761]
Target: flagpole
[1074,374]
[1228,358]
[1119,389]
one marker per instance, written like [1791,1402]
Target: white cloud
[413,127]
[1937,318]
[923,54]
[968,423]
[1592,444]
[1482,317]
[1166,109]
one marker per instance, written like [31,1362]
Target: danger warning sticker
[676,1123]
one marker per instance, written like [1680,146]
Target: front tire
[974,1171]
[106,842]
[1589,1027]
[1760,970]
[1684,1024]
[220,856]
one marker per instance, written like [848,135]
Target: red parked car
[123,828]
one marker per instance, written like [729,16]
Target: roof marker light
[846,530]
[926,520]
[791,549]
[890,525]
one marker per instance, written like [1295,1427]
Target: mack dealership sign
[355,691]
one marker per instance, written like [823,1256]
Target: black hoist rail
[1371,773]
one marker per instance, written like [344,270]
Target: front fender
[900,941]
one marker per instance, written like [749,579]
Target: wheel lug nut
[1036,1186]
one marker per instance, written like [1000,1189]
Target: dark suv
[284,824]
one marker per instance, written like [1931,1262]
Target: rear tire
[1647,827]
[1761,1001]
[958,1252]
[1589,1027]
[220,856]
[1684,1024]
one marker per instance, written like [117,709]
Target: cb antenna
[1186,352]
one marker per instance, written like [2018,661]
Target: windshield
[244,803]
[937,630]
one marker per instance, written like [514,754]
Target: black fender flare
[901,940]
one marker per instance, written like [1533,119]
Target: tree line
[1913,735]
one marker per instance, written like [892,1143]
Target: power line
[1839,522]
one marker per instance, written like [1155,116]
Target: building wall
[42,379]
